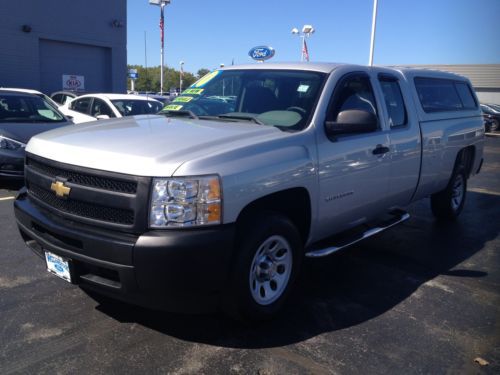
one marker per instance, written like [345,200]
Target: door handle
[379,150]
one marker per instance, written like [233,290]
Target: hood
[24,131]
[145,145]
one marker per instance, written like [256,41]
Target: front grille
[95,197]
[105,183]
[84,209]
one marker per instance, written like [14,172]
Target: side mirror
[102,117]
[352,121]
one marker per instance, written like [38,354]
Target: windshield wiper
[240,117]
[183,113]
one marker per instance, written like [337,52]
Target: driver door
[353,167]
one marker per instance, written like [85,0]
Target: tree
[149,78]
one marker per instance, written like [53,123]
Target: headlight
[10,144]
[185,202]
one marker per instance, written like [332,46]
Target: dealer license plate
[58,266]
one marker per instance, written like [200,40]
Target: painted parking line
[7,198]
[484,191]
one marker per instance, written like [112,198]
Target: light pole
[162,4]
[307,31]
[181,73]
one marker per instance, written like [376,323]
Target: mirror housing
[352,121]
[102,117]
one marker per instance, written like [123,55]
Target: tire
[494,126]
[268,259]
[487,127]
[447,204]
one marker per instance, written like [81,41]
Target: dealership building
[51,45]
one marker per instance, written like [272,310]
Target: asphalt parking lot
[421,298]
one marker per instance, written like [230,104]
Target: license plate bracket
[58,266]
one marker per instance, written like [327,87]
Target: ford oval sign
[261,53]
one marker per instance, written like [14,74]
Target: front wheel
[448,203]
[266,265]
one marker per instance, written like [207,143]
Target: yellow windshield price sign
[193,91]
[173,107]
[205,79]
[183,99]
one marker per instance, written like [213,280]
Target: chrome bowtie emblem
[60,189]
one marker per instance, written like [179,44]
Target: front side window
[100,108]
[281,98]
[353,93]
[393,101]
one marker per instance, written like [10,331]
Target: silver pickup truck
[215,201]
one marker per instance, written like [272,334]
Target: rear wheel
[448,203]
[267,263]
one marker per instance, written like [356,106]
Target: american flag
[305,52]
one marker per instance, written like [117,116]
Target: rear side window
[58,98]
[81,105]
[465,95]
[440,95]
[393,101]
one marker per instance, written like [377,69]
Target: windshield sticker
[183,99]
[173,107]
[303,88]
[193,91]
[207,78]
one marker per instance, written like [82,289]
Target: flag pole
[162,6]
[374,23]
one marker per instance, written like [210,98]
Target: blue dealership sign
[132,73]
[261,53]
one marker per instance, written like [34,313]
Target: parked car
[63,97]
[22,115]
[492,116]
[214,203]
[496,107]
[165,99]
[93,107]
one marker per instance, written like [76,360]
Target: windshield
[27,109]
[281,98]
[132,107]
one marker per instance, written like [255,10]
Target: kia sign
[261,53]
[73,83]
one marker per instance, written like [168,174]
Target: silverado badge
[60,189]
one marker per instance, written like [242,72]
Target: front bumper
[174,270]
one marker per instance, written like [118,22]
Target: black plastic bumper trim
[177,270]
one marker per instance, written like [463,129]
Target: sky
[205,34]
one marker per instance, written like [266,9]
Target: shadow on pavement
[347,288]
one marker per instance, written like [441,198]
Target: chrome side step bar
[401,217]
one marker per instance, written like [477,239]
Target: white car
[93,107]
